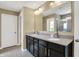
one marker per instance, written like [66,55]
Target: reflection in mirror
[58,18]
[65,23]
[51,24]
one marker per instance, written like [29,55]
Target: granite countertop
[61,41]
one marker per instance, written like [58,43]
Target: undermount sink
[56,39]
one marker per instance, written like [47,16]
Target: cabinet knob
[77,40]
[15,32]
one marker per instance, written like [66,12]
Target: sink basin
[56,39]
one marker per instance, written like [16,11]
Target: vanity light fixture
[37,12]
[52,3]
[57,3]
[40,10]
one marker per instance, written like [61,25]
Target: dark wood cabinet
[35,47]
[27,42]
[42,51]
[53,53]
[55,50]
[56,47]
[31,45]
[70,49]
[41,48]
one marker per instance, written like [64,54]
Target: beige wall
[6,12]
[28,20]
[27,15]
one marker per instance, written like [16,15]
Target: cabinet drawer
[44,43]
[56,47]
[56,54]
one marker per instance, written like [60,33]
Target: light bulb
[36,12]
[40,10]
[52,3]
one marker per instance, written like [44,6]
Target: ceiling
[18,5]
[62,9]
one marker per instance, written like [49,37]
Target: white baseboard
[1,48]
[10,46]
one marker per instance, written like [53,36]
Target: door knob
[77,40]
[15,32]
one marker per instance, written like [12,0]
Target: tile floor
[14,52]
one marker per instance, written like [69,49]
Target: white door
[8,30]
[76,28]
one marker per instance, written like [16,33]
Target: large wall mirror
[58,18]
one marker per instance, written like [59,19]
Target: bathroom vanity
[46,46]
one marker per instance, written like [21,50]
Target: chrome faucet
[37,32]
[57,34]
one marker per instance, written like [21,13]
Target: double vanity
[40,45]
[57,20]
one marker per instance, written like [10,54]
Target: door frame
[21,32]
[1,30]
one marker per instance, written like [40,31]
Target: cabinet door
[27,42]
[54,53]
[55,50]
[36,43]
[42,51]
[36,47]
[35,53]
[31,45]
